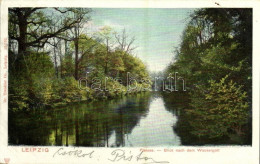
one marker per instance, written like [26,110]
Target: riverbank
[180,103]
[125,121]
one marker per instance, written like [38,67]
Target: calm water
[137,120]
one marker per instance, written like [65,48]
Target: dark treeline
[215,58]
[50,50]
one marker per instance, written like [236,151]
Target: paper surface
[126,130]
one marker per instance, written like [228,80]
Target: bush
[18,95]
[219,110]
[67,90]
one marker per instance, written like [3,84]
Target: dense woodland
[50,50]
[215,58]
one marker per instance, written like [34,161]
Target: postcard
[129,81]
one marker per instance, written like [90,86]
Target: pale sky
[157,31]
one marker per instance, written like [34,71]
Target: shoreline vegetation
[49,52]
[215,58]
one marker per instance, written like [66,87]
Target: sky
[157,31]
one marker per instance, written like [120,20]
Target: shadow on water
[140,120]
[179,103]
[136,120]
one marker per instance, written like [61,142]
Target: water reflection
[137,120]
[153,130]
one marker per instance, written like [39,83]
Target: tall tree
[125,43]
[215,56]
[105,35]
[76,31]
[33,26]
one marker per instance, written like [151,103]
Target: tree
[48,42]
[32,25]
[215,57]
[216,35]
[219,110]
[76,32]
[124,43]
[105,37]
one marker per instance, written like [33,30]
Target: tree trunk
[106,69]
[61,64]
[76,74]
[22,38]
[55,59]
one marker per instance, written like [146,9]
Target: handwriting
[148,160]
[120,155]
[76,153]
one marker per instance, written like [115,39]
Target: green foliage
[37,84]
[71,91]
[212,47]
[116,61]
[219,110]
[18,95]
[67,66]
[42,90]
[98,61]
[217,43]
[47,76]
[31,85]
[114,89]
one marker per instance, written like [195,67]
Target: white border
[227,154]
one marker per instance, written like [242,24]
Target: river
[131,121]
